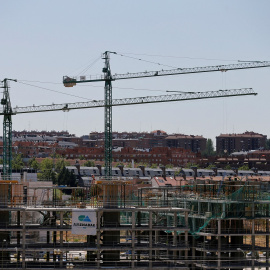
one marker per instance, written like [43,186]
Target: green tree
[47,172]
[211,166]
[209,151]
[32,163]
[154,166]
[228,167]
[60,164]
[65,177]
[142,164]
[89,163]
[244,168]
[17,162]
[54,155]
[190,164]
[119,164]
[62,177]
[169,166]
[177,172]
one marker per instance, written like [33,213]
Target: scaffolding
[200,225]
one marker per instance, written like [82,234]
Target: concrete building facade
[229,143]
[190,142]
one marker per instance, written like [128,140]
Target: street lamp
[3,241]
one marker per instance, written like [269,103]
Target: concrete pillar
[193,254]
[48,239]
[111,219]
[219,244]
[23,238]
[156,241]
[253,256]
[267,239]
[61,238]
[186,219]
[150,239]
[54,232]
[139,214]
[186,237]
[18,235]
[133,220]
[133,241]
[111,238]
[98,238]
[175,236]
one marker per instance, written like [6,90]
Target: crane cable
[86,68]
[59,92]
[89,66]
[99,86]
[186,57]
[151,62]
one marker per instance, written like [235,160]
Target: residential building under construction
[200,223]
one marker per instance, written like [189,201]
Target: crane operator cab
[69,82]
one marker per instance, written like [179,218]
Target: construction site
[200,224]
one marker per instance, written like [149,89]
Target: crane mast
[108,116]
[7,130]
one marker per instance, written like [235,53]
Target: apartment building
[190,142]
[249,140]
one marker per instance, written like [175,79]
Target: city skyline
[223,143]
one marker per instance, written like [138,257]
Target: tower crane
[7,146]
[107,77]
[7,128]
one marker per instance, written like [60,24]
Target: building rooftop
[245,134]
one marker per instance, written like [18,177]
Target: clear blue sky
[44,40]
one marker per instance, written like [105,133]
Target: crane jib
[71,81]
[132,101]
